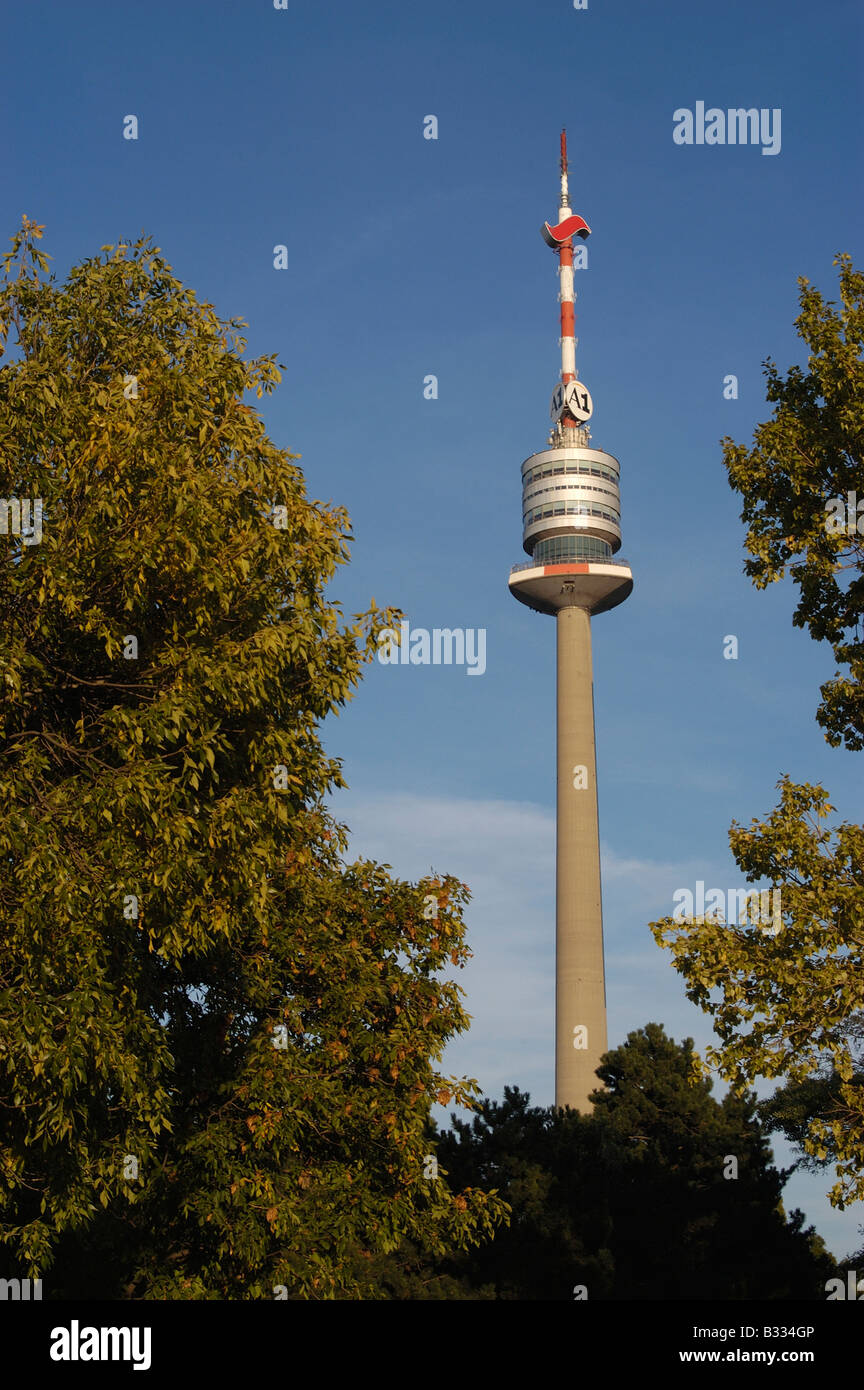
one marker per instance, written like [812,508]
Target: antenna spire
[565,195]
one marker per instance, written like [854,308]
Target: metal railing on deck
[570,559]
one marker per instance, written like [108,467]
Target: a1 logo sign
[573,397]
[577,399]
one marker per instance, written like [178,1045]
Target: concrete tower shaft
[580,980]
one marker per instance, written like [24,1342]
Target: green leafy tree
[218,1042]
[803,464]
[793,1107]
[789,1001]
[637,1200]
[789,1004]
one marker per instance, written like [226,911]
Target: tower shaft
[580,989]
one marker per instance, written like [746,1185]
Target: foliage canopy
[791,1003]
[218,1041]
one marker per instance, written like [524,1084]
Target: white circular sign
[574,397]
[577,399]
[557,405]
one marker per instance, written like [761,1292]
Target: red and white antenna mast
[560,238]
[568,314]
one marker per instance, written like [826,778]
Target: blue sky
[408,257]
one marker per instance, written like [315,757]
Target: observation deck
[596,585]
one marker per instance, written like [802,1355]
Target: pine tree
[662,1192]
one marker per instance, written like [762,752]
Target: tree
[803,491]
[792,1108]
[548,1166]
[638,1200]
[700,1213]
[217,1040]
[801,989]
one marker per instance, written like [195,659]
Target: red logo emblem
[571,226]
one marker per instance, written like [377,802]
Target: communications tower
[571,517]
